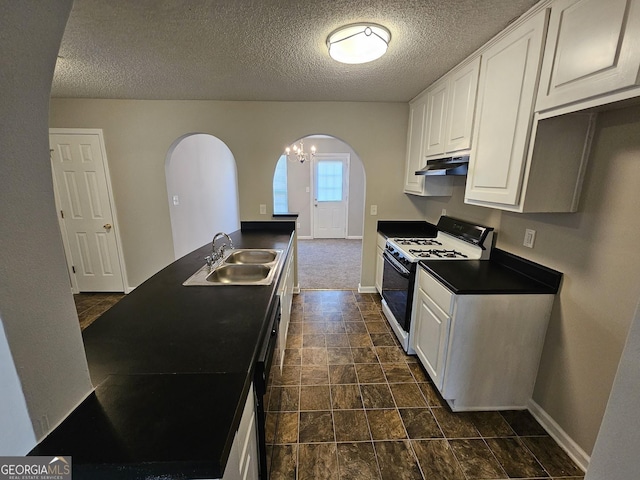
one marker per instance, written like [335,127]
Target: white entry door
[86,218]
[330,195]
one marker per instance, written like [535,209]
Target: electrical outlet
[529,238]
[444,212]
[176,200]
[374,209]
[298,225]
[263,209]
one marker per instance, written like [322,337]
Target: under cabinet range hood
[458,165]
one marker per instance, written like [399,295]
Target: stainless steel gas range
[456,240]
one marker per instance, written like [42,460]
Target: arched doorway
[323,263]
[202,188]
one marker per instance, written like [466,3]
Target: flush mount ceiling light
[358,42]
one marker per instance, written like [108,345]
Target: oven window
[396,291]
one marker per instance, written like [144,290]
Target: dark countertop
[173,365]
[407,228]
[504,273]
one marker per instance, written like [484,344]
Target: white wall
[17,434]
[38,313]
[201,172]
[615,455]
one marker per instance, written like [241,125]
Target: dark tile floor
[91,305]
[349,404]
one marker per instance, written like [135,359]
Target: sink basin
[245,266]
[251,256]
[239,274]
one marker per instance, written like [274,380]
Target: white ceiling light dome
[358,42]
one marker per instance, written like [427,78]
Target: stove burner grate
[435,253]
[417,241]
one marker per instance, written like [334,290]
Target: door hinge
[73,269]
[61,214]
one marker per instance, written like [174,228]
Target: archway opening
[202,188]
[327,193]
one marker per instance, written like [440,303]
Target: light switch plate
[263,209]
[374,209]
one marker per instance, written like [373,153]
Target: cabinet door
[508,81]
[434,137]
[592,49]
[414,183]
[463,87]
[431,337]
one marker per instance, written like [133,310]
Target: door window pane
[280,191]
[329,181]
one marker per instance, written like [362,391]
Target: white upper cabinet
[463,88]
[434,137]
[506,91]
[593,48]
[417,111]
[450,108]
[419,184]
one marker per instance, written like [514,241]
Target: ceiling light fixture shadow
[358,42]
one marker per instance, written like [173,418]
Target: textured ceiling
[270,50]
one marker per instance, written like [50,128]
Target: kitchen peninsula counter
[173,367]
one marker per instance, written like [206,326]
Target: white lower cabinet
[380,244]
[243,459]
[481,351]
[430,336]
[285,290]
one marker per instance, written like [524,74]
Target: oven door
[397,289]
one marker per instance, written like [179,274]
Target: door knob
[107,226]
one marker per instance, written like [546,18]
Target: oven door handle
[397,266]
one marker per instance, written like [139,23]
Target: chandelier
[299,153]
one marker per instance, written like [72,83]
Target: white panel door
[88,226]
[592,49]
[330,195]
[507,85]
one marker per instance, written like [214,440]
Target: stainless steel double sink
[244,266]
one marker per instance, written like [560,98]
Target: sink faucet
[217,255]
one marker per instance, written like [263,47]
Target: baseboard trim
[371,289]
[569,445]
[304,237]
[354,237]
[296,289]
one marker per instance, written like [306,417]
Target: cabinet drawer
[440,295]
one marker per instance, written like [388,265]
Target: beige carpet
[332,264]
